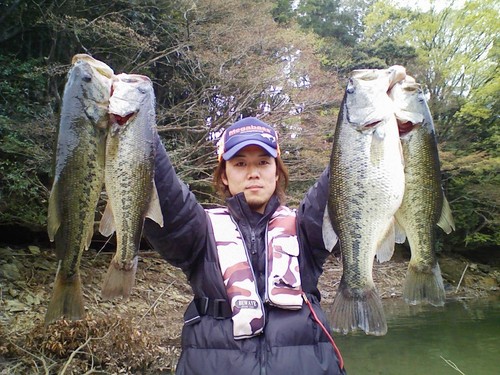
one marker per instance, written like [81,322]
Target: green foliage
[472,189]
[337,19]
[25,142]
[24,173]
[456,60]
[282,11]
[22,86]
[211,65]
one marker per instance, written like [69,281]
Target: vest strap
[217,308]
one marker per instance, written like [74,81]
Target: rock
[35,250]
[15,306]
[32,299]
[10,271]
[5,253]
[452,269]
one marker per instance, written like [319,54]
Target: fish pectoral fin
[446,221]
[53,217]
[154,209]
[107,225]
[90,234]
[330,238]
[385,247]
[401,154]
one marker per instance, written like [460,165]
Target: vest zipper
[263,355]
[252,240]
[266,269]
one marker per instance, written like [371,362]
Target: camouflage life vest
[283,287]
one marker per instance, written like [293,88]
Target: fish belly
[129,184]
[72,205]
[367,185]
[418,216]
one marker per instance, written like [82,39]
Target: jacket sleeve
[310,216]
[182,238]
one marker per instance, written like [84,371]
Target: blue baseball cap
[245,132]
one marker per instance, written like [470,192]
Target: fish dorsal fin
[329,236]
[399,232]
[154,210]
[446,221]
[107,225]
[385,247]
[53,217]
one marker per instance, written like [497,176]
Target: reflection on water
[422,340]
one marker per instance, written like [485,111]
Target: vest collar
[239,209]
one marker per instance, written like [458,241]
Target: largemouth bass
[424,205]
[129,178]
[78,180]
[366,189]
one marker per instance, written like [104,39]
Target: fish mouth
[121,120]
[372,124]
[369,127]
[405,127]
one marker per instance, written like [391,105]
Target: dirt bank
[142,334]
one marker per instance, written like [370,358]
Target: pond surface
[463,337]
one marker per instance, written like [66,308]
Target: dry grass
[140,335]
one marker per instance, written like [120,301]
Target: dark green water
[421,338]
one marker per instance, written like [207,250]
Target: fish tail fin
[424,285]
[119,279]
[66,300]
[352,310]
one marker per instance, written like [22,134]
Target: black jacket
[292,343]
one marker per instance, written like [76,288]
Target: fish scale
[366,189]
[78,179]
[423,203]
[129,176]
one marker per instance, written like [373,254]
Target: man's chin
[256,205]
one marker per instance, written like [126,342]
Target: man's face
[253,172]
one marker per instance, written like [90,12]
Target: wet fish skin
[78,179]
[424,205]
[129,178]
[366,188]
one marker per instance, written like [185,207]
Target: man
[253,265]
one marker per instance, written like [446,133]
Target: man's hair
[281,185]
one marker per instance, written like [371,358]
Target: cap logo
[248,128]
[269,137]
[243,134]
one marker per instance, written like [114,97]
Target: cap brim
[236,148]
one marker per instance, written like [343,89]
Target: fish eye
[350,87]
[87,78]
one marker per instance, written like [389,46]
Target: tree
[457,65]
[209,62]
[338,19]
